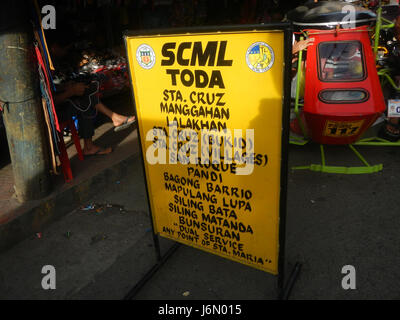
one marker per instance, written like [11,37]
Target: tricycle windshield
[341,61]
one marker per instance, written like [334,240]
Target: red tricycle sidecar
[343,95]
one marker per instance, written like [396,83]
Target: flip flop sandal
[124,125]
[98,153]
[384,133]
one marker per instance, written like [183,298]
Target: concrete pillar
[23,117]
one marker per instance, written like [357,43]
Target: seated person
[80,99]
[341,62]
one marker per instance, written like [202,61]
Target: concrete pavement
[332,221]
[18,221]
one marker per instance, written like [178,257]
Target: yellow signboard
[208,97]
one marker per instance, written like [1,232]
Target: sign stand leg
[160,262]
[285,290]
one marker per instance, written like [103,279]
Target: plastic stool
[64,159]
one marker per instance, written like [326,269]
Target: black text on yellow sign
[229,84]
[212,55]
[342,129]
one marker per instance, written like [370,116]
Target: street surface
[332,221]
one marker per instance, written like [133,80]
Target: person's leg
[89,148]
[86,132]
[116,118]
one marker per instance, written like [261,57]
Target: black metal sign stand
[282,288]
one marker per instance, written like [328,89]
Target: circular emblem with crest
[260,57]
[145,56]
